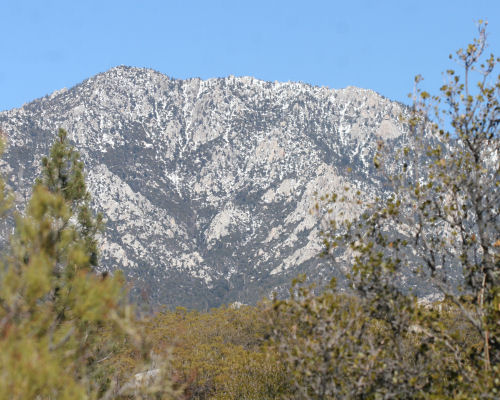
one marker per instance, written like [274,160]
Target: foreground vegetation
[67,330]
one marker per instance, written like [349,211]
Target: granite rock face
[207,186]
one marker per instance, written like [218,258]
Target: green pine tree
[60,320]
[63,174]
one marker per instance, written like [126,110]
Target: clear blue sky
[377,44]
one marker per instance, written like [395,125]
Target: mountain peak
[207,185]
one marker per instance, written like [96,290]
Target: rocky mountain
[207,185]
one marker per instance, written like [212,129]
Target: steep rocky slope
[207,185]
